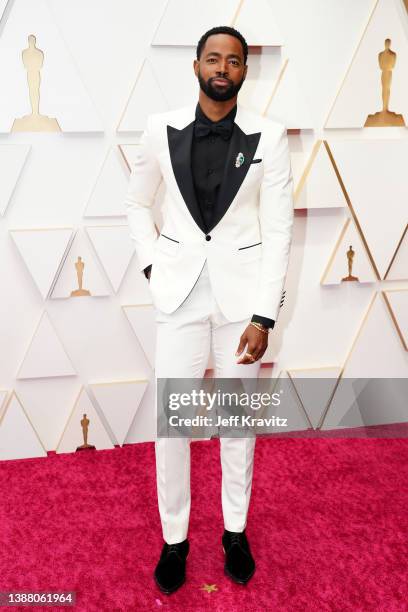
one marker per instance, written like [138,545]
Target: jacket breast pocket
[250,252]
[254,174]
[167,245]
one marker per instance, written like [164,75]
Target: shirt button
[208,203]
[208,237]
[210,171]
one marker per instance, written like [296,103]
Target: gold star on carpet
[209,588]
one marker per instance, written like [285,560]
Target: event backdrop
[76,320]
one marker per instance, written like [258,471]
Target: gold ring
[250,355]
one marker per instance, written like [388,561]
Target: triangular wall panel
[45,356]
[63,97]
[257,19]
[315,387]
[360,93]
[398,268]
[374,172]
[183,25]
[119,401]
[18,439]
[12,160]
[48,404]
[145,98]
[142,320]
[68,280]
[337,269]
[397,302]
[108,194]
[114,248]
[319,186]
[288,104]
[72,436]
[43,251]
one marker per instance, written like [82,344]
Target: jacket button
[208,237]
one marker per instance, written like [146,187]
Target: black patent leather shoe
[170,572]
[239,562]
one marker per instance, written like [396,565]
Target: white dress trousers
[184,340]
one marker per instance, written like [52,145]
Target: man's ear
[195,66]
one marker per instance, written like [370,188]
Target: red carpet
[328,527]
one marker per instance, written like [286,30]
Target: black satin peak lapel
[180,142]
[180,154]
[233,176]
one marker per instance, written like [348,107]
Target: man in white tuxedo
[216,271]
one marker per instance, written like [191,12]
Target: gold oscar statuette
[79,265]
[350,256]
[85,426]
[386,118]
[33,60]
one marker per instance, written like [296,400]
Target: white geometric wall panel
[18,438]
[264,69]
[254,18]
[119,401]
[290,408]
[354,406]
[12,160]
[43,251]
[142,319]
[183,25]
[109,191]
[114,249]
[360,93]
[62,93]
[72,436]
[398,269]
[374,172]
[398,303]
[92,280]
[3,4]
[316,324]
[185,89]
[257,23]
[145,98]
[319,186]
[337,267]
[48,404]
[45,356]
[315,397]
[390,360]
[288,103]
[3,397]
[143,426]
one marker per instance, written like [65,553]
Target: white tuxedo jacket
[247,249]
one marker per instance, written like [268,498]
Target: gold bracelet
[259,326]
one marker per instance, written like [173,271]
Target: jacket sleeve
[276,223]
[144,181]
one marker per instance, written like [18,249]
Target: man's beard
[219,94]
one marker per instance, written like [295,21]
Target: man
[216,271]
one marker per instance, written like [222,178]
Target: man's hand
[257,342]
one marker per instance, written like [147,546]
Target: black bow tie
[223,128]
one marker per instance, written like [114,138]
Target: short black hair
[223,30]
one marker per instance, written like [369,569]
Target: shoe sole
[234,578]
[175,588]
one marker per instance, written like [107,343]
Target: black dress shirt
[208,155]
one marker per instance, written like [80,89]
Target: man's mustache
[220,77]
